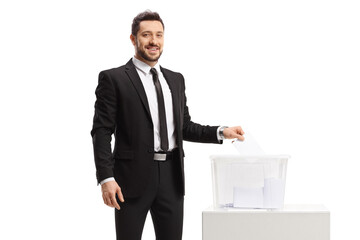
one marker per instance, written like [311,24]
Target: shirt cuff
[219,135]
[107,180]
[219,138]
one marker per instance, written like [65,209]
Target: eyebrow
[151,32]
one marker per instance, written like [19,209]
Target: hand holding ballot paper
[234,132]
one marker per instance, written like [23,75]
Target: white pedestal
[293,222]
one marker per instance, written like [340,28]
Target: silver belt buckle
[160,156]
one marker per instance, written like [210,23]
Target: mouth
[152,49]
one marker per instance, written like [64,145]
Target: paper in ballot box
[253,181]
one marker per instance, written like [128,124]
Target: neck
[150,63]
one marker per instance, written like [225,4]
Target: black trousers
[162,198]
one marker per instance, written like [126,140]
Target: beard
[146,56]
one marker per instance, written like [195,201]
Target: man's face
[149,42]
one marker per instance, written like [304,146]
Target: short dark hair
[144,16]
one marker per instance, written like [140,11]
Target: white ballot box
[292,222]
[249,181]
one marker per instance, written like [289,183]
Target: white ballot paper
[249,146]
[248,190]
[248,197]
[274,193]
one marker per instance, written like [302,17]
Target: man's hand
[234,132]
[109,191]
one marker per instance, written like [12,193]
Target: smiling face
[149,42]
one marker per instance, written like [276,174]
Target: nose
[153,40]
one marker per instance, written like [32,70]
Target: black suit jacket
[122,109]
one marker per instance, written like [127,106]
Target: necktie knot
[153,71]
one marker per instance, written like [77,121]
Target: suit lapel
[173,85]
[135,79]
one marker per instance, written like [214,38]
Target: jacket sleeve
[104,124]
[195,132]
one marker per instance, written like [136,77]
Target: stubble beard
[145,56]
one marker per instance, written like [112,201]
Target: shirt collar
[145,68]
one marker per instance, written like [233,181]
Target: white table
[293,222]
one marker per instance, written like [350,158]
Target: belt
[164,156]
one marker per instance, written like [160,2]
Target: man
[144,106]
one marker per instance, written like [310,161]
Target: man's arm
[195,132]
[103,127]
[207,134]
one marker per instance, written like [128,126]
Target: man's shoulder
[170,72]
[114,70]
[117,70]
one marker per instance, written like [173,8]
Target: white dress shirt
[147,80]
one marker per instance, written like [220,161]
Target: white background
[284,70]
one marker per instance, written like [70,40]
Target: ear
[133,39]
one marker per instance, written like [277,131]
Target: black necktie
[164,142]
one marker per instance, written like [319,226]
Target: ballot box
[292,222]
[249,181]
